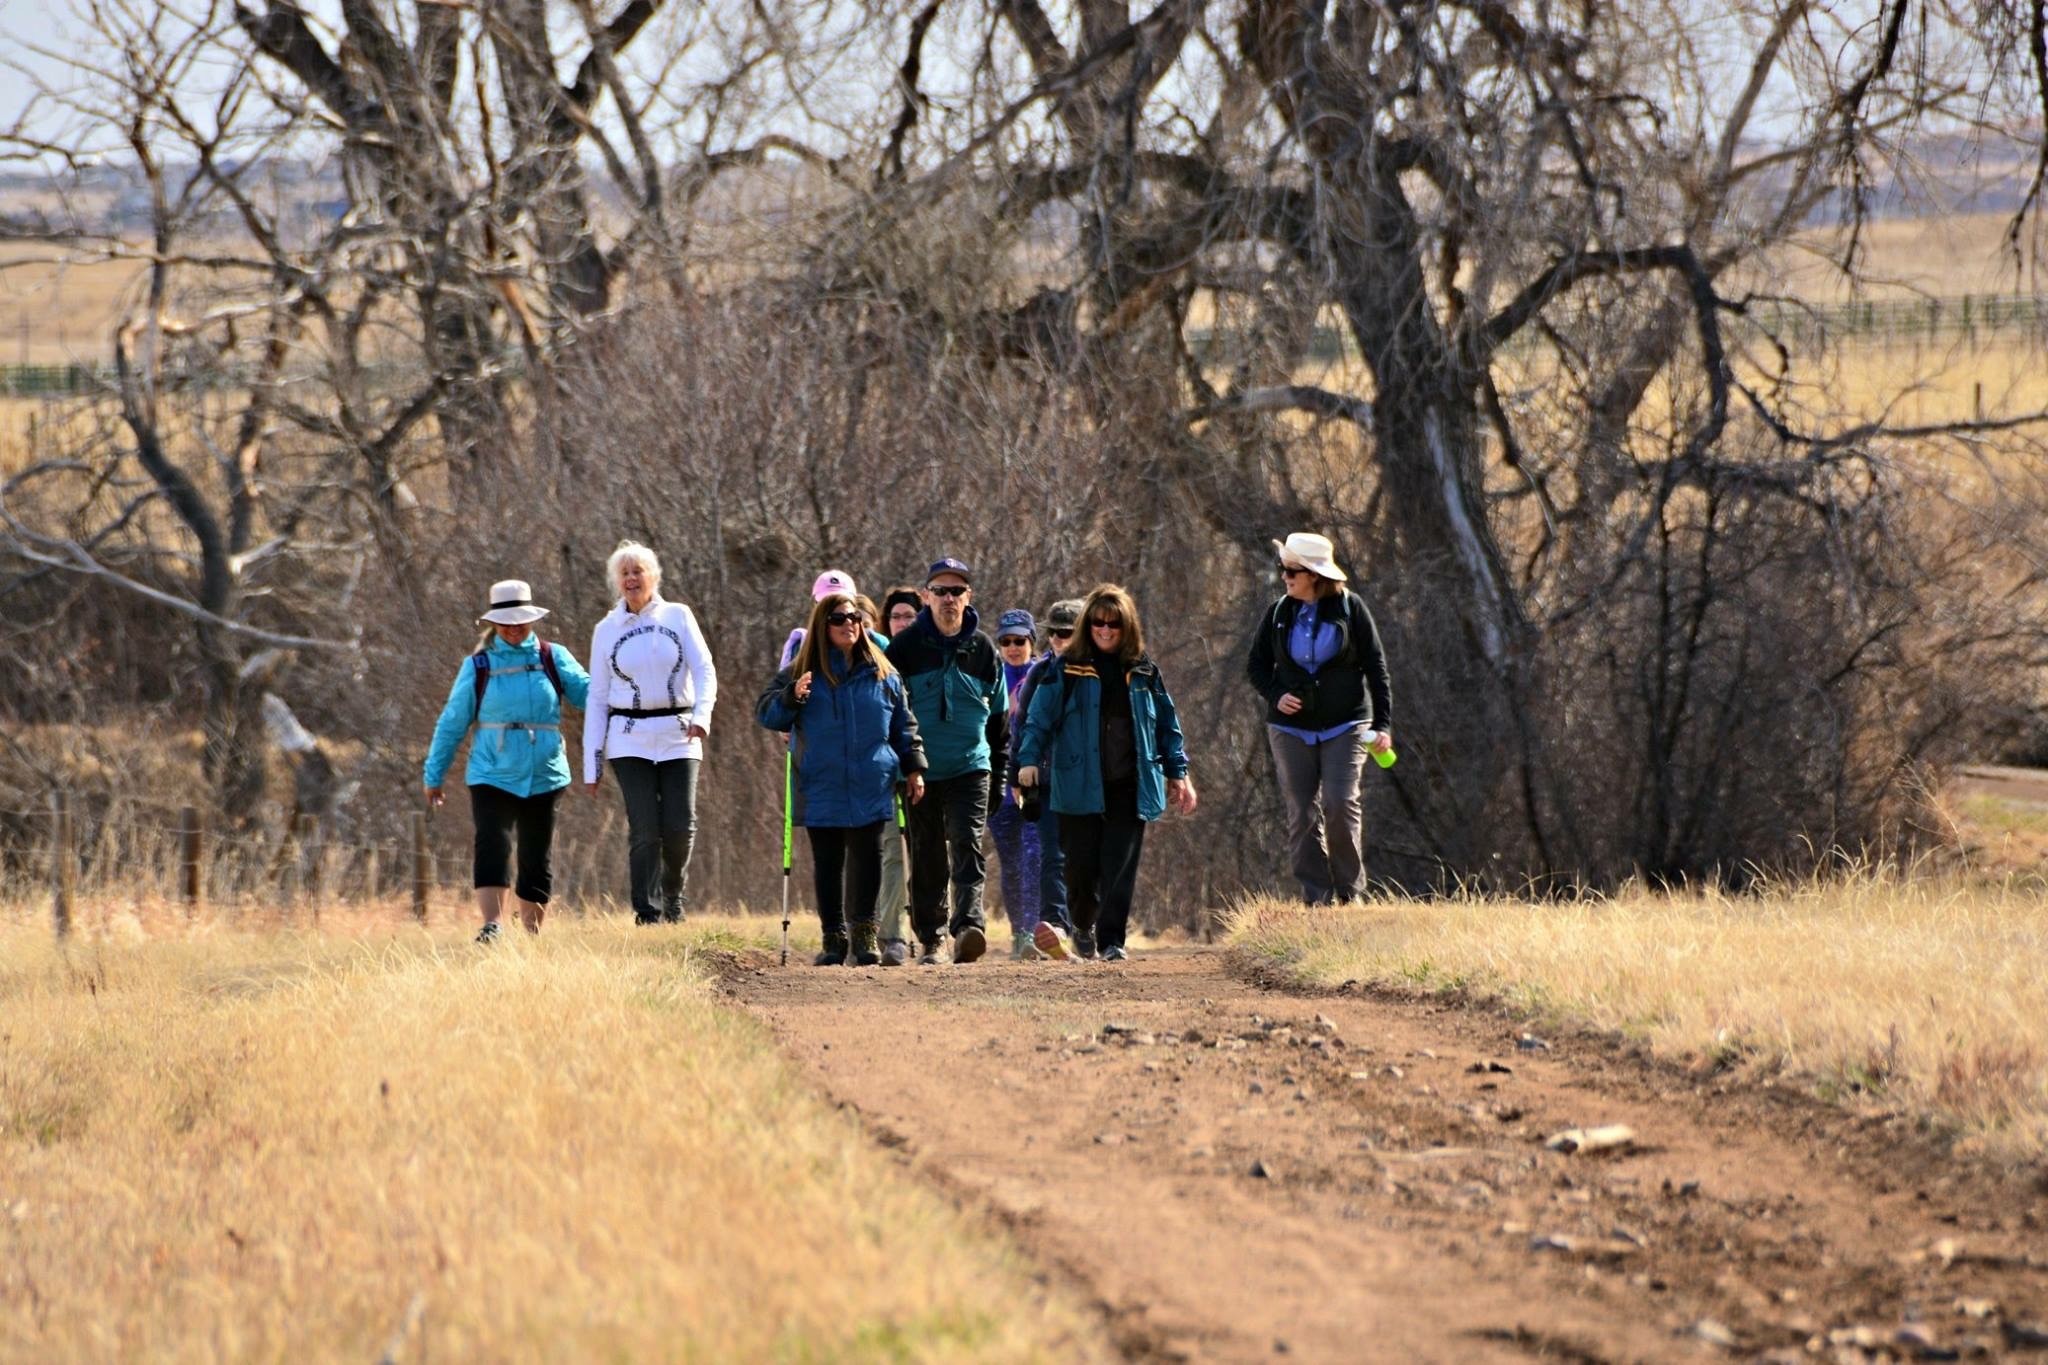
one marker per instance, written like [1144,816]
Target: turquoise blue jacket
[1063,737]
[955,685]
[505,754]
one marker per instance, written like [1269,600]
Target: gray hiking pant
[895,897]
[1325,816]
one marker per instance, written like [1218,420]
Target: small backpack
[480,673]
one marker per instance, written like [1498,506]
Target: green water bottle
[1385,760]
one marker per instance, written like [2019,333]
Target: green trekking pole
[903,833]
[788,816]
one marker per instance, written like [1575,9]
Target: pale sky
[24,25]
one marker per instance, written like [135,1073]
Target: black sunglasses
[843,618]
[1061,632]
[1008,640]
[950,590]
[1290,570]
[1106,625]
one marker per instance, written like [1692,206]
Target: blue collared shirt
[1313,642]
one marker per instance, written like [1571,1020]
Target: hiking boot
[672,915]
[930,956]
[488,934]
[864,954]
[1049,941]
[969,944]
[1084,946]
[1116,954]
[895,953]
[1022,949]
[647,917]
[834,954]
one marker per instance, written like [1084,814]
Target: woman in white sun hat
[1317,661]
[510,691]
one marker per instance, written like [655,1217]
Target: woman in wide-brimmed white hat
[510,691]
[1317,661]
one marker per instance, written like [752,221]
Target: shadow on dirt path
[1237,1173]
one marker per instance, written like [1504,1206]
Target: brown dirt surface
[2029,785]
[1233,1171]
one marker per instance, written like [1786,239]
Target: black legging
[661,826]
[846,869]
[498,813]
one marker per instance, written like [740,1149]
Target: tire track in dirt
[1238,1173]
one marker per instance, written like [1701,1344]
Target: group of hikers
[908,725]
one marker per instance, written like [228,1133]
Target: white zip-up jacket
[647,660]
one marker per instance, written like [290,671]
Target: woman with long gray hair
[652,690]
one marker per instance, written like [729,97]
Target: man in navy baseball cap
[955,682]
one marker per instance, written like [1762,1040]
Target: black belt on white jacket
[649,712]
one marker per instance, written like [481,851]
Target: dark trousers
[498,815]
[945,846]
[661,827]
[1052,872]
[1102,865]
[846,871]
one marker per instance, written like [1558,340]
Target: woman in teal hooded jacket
[1103,733]
[511,694]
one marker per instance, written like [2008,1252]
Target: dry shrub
[1736,674]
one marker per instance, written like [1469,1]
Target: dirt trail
[1232,1177]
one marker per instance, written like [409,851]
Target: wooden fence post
[422,866]
[190,838]
[63,862]
[312,857]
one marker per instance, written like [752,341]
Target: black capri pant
[498,815]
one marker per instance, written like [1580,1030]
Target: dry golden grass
[318,1146]
[1925,992]
[1942,254]
[52,311]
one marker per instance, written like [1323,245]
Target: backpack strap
[480,678]
[548,666]
[480,675]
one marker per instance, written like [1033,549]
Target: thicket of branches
[1043,288]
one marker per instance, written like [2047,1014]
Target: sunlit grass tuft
[1926,992]
[317,1145]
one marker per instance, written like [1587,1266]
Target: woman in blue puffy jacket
[511,695]
[1103,734]
[851,730]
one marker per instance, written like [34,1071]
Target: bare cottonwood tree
[1652,608]
[1541,232]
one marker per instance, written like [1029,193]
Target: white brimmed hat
[512,604]
[1312,552]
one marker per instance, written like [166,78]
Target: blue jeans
[1017,855]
